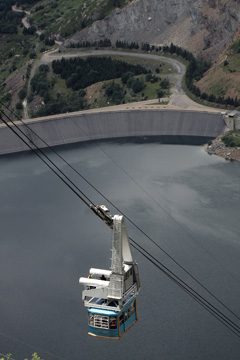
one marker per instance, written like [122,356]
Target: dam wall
[78,127]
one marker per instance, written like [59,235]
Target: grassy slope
[223,79]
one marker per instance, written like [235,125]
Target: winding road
[177,100]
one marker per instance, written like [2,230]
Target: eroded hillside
[202,26]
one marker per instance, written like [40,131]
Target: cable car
[110,295]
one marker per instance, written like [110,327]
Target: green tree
[160,93]
[190,71]
[126,76]
[115,92]
[165,84]
[19,105]
[22,93]
[137,85]
[32,55]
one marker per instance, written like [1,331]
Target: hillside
[204,27]
[223,79]
[65,18]
[208,28]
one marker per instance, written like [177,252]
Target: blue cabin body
[111,324]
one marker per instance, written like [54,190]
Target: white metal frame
[112,293]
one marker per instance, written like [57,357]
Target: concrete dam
[89,125]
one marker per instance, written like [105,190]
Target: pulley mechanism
[104,214]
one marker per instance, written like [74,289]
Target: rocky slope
[202,26]
[218,148]
[222,80]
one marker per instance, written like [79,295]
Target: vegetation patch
[75,75]
[10,357]
[76,84]
[232,138]
[221,83]
[60,105]
[157,67]
[43,83]
[9,20]
[80,73]
[68,17]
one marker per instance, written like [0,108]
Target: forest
[80,73]
[30,2]
[9,20]
[42,85]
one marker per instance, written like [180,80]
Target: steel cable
[221,317]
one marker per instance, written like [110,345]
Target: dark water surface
[187,201]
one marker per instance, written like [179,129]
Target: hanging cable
[150,239]
[219,314]
[43,154]
[139,229]
[210,309]
[158,204]
[185,286]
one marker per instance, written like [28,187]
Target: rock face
[202,26]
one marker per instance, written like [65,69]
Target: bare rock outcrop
[202,26]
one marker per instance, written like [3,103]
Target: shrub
[32,55]
[19,105]
[160,93]
[126,76]
[22,93]
[165,84]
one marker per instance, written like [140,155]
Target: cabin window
[121,319]
[128,313]
[131,309]
[99,321]
[113,322]
[128,273]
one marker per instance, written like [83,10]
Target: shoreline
[218,148]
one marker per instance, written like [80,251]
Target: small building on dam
[97,125]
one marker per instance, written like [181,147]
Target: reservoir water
[183,198]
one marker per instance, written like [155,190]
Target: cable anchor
[104,214]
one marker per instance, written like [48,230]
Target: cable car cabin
[111,324]
[110,295]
